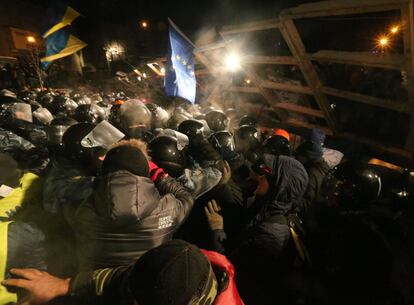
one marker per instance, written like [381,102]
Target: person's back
[128,214]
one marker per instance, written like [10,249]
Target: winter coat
[317,170]
[126,216]
[65,185]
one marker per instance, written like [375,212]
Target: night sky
[104,21]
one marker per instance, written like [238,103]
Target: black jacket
[127,216]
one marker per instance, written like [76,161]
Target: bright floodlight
[162,70]
[31,39]
[144,24]
[232,62]
[383,42]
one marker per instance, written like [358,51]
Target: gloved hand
[156,172]
[215,220]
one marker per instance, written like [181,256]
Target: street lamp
[31,39]
[144,24]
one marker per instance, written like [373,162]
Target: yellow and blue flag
[60,44]
[179,78]
[59,15]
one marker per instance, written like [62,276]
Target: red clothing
[230,296]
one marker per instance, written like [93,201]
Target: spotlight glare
[395,29]
[144,24]
[232,62]
[31,39]
[383,41]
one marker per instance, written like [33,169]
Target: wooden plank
[299,109]
[270,97]
[381,147]
[281,105]
[272,60]
[342,7]
[294,41]
[302,124]
[250,27]
[244,89]
[386,61]
[286,87]
[370,100]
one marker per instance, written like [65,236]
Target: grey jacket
[126,216]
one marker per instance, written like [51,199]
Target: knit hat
[175,273]
[128,158]
[312,148]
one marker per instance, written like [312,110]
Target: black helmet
[72,139]
[134,119]
[247,138]
[191,128]
[159,116]
[61,104]
[89,113]
[42,116]
[45,98]
[247,120]
[223,142]
[58,128]
[350,186]
[179,116]
[166,153]
[217,120]
[276,145]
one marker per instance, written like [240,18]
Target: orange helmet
[282,133]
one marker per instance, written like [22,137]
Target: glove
[156,172]
[214,219]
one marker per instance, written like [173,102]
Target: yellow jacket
[29,191]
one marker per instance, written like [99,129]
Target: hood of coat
[125,198]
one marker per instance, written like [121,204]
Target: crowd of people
[105,199]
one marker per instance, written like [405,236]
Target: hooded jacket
[126,216]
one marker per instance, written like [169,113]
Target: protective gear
[42,116]
[12,112]
[166,153]
[134,119]
[159,116]
[282,133]
[247,138]
[277,145]
[223,142]
[351,186]
[247,121]
[89,114]
[72,139]
[217,120]
[179,116]
[45,98]
[57,129]
[62,104]
[191,128]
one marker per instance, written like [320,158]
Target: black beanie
[175,273]
[128,158]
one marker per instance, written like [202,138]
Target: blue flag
[180,79]
[60,44]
